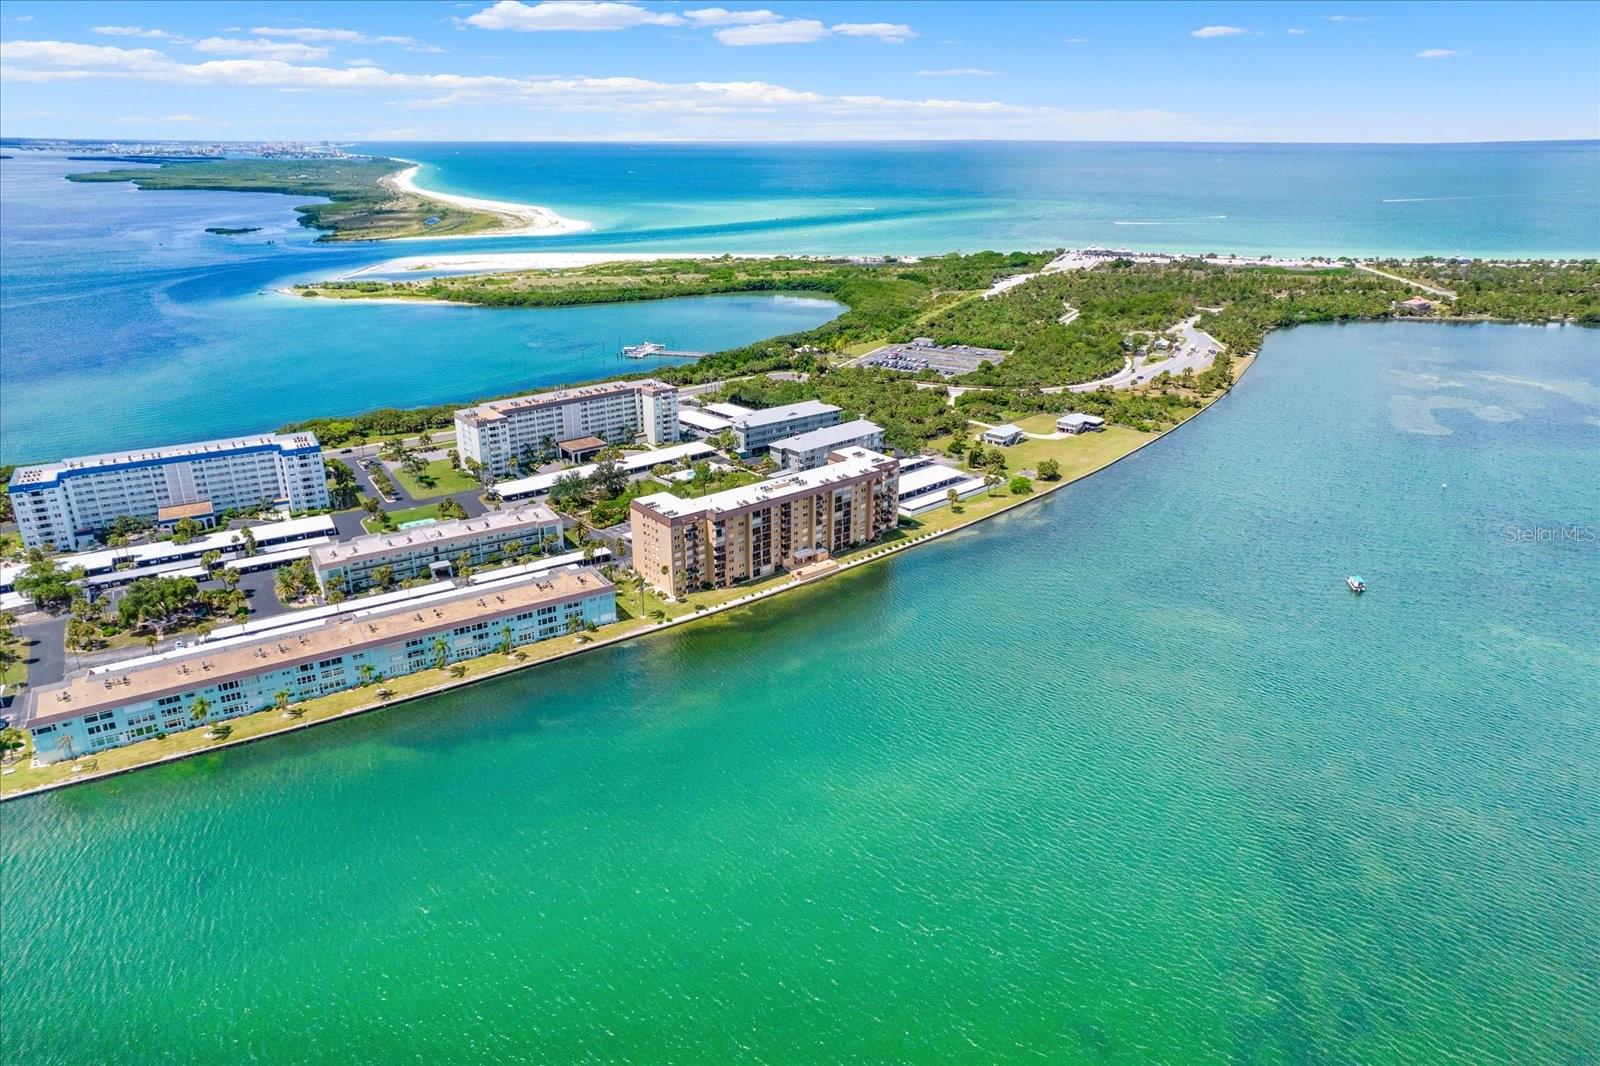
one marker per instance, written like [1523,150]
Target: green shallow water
[1127,776]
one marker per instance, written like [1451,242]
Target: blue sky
[515,70]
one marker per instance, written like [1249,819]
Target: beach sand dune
[521,220]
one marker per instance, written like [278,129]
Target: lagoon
[127,325]
[1125,775]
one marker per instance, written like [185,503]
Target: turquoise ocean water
[1126,776]
[120,300]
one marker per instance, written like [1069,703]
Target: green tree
[186,530]
[441,653]
[1021,486]
[157,602]
[1049,470]
[198,709]
[248,537]
[49,586]
[383,576]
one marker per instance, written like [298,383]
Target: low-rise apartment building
[726,537]
[528,427]
[754,431]
[122,703]
[432,551]
[805,451]
[71,503]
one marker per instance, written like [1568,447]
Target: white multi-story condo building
[726,537]
[755,431]
[432,551]
[495,433]
[70,503]
[805,451]
[121,703]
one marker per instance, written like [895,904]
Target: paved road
[1445,293]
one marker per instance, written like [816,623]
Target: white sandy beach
[487,262]
[521,220]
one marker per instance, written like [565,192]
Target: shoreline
[494,262]
[522,220]
[873,554]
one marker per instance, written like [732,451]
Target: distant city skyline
[612,70]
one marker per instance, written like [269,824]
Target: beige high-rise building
[731,536]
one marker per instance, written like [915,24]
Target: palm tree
[366,672]
[441,653]
[280,700]
[505,640]
[198,709]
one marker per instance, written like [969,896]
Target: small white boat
[1355,583]
[643,351]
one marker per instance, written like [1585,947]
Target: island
[951,389]
[229,231]
[365,201]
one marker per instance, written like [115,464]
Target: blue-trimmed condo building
[135,700]
[70,504]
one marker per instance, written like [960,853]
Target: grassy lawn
[408,514]
[439,478]
[1077,455]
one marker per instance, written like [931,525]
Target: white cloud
[893,32]
[1437,53]
[577,15]
[789,31]
[335,36]
[721,16]
[957,72]
[311,33]
[1350,18]
[808,31]
[137,31]
[1218,31]
[1077,40]
[1295,31]
[288,51]
[715,109]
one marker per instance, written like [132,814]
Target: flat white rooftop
[729,411]
[266,534]
[928,478]
[539,484]
[498,409]
[702,420]
[828,436]
[788,412]
[32,476]
[441,534]
[861,462]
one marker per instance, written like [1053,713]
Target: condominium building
[70,504]
[129,701]
[808,450]
[496,433]
[754,431]
[720,539]
[432,551]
